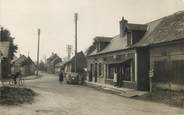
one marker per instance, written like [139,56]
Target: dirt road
[62,99]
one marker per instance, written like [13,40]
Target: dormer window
[131,33]
[101,42]
[129,38]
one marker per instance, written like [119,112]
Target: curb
[105,89]
[127,94]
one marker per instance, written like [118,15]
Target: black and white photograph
[91,57]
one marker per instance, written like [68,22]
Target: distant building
[69,66]
[51,63]
[58,67]
[141,52]
[23,64]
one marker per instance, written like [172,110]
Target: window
[111,72]
[129,38]
[127,71]
[100,69]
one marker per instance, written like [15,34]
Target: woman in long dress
[115,79]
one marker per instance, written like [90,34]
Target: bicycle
[16,82]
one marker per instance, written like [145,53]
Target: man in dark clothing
[15,76]
[95,75]
[119,79]
[61,76]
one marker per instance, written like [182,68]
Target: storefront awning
[118,61]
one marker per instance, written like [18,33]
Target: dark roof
[81,62]
[52,57]
[30,60]
[79,55]
[117,43]
[102,39]
[166,29]
[131,26]
[4,48]
[55,60]
[22,60]
[19,60]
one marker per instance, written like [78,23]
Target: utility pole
[1,31]
[38,51]
[76,18]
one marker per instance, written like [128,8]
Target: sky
[55,18]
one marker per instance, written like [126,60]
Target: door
[90,73]
[95,72]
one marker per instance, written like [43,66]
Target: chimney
[1,33]
[122,23]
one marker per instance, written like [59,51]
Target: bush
[15,95]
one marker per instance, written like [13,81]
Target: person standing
[115,79]
[16,75]
[119,79]
[95,75]
[61,76]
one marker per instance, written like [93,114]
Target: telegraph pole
[38,51]
[1,31]
[76,18]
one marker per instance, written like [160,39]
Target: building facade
[51,63]
[117,55]
[144,55]
[23,64]
[69,66]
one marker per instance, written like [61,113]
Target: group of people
[117,78]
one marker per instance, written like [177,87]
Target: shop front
[103,68]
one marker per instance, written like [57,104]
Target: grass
[172,98]
[16,96]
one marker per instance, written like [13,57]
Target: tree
[6,36]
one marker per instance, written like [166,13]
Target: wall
[32,69]
[167,60]
[143,68]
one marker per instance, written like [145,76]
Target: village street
[62,99]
